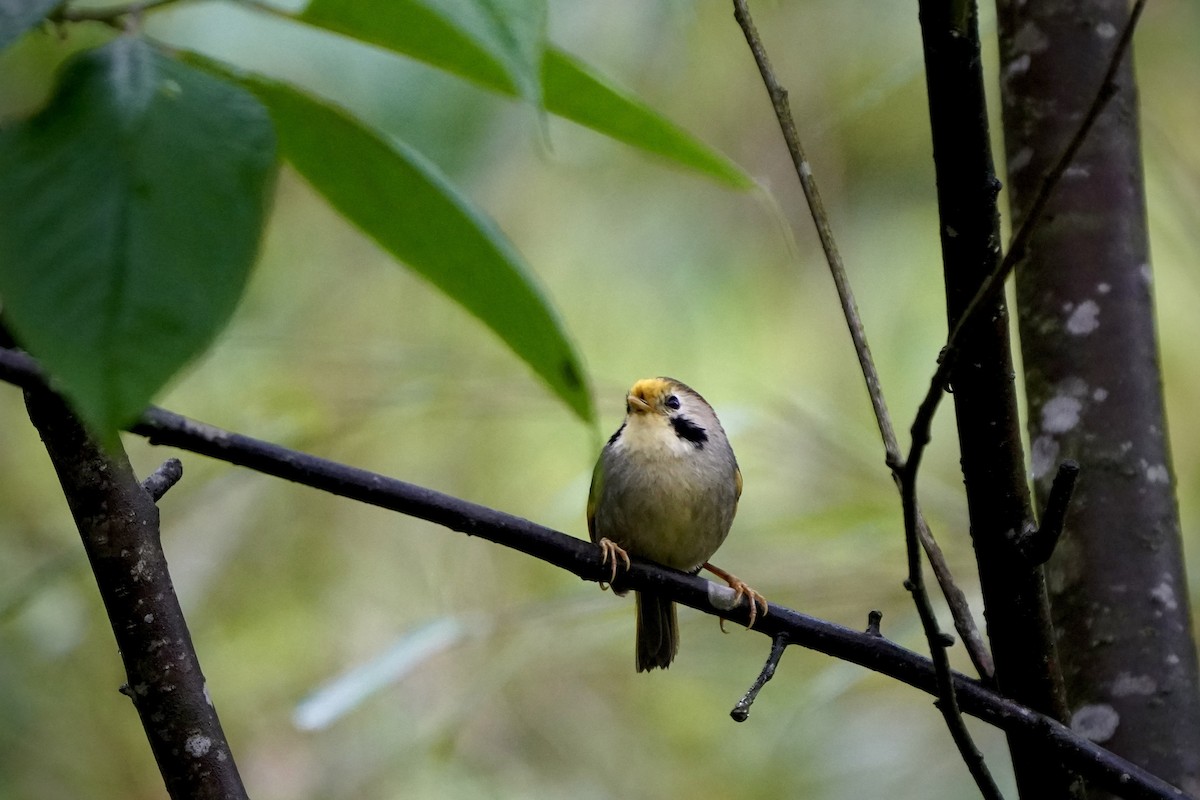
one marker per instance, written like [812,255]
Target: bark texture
[1119,594]
[118,522]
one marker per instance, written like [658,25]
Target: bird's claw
[611,551]
[740,589]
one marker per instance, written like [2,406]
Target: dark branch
[1037,546]
[741,712]
[118,523]
[583,559]
[948,357]
[159,482]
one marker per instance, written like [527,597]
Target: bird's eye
[673,402]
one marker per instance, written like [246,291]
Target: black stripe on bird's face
[686,429]
[617,435]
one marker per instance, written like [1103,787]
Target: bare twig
[159,482]
[916,529]
[1038,545]
[956,600]
[582,558]
[741,712]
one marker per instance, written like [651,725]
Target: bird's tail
[657,631]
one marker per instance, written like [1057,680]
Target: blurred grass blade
[130,214]
[343,694]
[18,16]
[402,201]
[570,90]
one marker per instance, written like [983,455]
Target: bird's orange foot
[611,551]
[740,589]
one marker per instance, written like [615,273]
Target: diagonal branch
[915,527]
[867,649]
[119,525]
[956,600]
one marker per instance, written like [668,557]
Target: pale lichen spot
[1030,39]
[1077,172]
[1103,288]
[1126,685]
[1100,394]
[1018,66]
[1096,722]
[1158,473]
[1146,273]
[1106,30]
[1084,318]
[1060,414]
[197,745]
[1164,593]
[1043,456]
[1020,160]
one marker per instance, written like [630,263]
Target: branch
[119,525]
[582,558]
[948,358]
[915,527]
[956,600]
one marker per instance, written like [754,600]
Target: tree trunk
[1014,593]
[1118,590]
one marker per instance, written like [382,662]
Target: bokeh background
[506,677]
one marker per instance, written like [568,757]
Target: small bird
[665,488]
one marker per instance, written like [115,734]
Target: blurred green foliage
[653,271]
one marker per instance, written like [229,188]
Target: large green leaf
[18,16]
[400,200]
[570,89]
[130,215]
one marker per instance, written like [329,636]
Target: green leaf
[513,32]
[570,89]
[18,16]
[399,199]
[130,215]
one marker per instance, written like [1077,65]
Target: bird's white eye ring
[673,402]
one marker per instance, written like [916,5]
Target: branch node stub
[741,711]
[1037,544]
[159,482]
[874,617]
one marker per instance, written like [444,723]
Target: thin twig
[1106,770]
[913,528]
[1038,545]
[159,482]
[956,600]
[741,712]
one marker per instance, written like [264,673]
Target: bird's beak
[636,403]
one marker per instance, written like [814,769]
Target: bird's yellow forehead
[652,390]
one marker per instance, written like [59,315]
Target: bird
[665,488]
